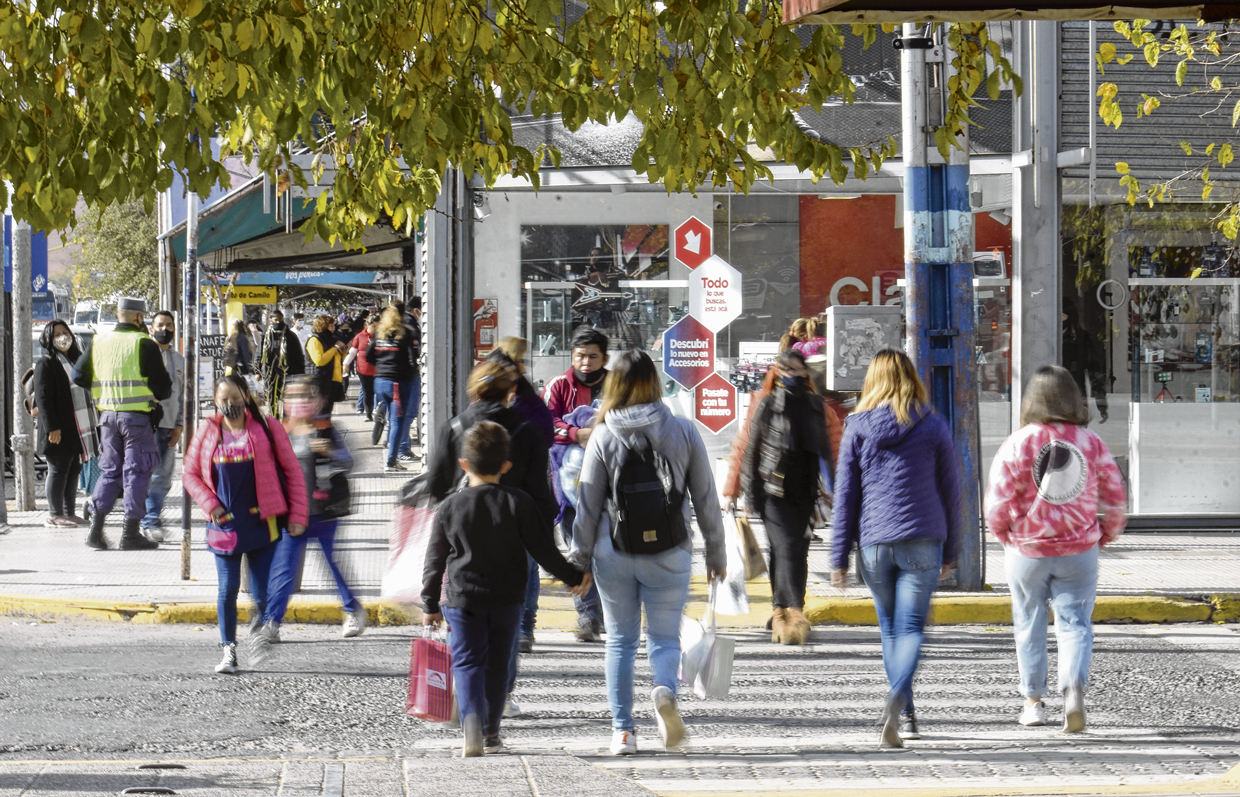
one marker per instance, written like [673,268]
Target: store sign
[715,296]
[714,403]
[693,243]
[688,352]
[253,294]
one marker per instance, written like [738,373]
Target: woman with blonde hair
[1049,483]
[395,359]
[641,466]
[897,498]
[325,359]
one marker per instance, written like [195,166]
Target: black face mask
[587,379]
[231,411]
[163,337]
[795,384]
[278,326]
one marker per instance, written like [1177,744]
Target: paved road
[1163,712]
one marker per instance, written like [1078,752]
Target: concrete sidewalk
[1142,578]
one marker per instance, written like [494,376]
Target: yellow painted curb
[1226,783]
[556,613]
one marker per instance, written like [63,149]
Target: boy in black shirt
[480,537]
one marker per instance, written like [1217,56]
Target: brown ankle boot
[779,624]
[798,628]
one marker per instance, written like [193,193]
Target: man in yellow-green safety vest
[124,371]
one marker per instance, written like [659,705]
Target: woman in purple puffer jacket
[897,498]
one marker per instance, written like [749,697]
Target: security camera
[482,206]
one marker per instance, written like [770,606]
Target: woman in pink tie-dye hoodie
[1055,498]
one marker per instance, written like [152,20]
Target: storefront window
[1152,336]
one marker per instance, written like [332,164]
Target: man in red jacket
[579,386]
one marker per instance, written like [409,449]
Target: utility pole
[23,350]
[938,256]
[189,338]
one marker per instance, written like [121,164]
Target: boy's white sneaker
[671,726]
[623,743]
[511,708]
[1033,716]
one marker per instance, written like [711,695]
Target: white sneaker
[271,630]
[671,726]
[228,664]
[472,728]
[1074,709]
[354,623]
[511,709]
[1033,716]
[624,743]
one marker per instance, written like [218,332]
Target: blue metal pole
[941,336]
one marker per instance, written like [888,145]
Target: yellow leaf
[245,34]
[1122,167]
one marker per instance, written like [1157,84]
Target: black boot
[132,539]
[96,539]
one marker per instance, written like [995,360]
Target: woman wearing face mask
[787,457]
[241,471]
[68,426]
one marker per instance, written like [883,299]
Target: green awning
[238,217]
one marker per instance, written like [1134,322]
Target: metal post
[23,352]
[938,247]
[1093,114]
[189,323]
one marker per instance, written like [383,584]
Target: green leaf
[1181,69]
[1216,83]
[1188,150]
[1224,155]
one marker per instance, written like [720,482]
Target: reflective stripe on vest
[118,384]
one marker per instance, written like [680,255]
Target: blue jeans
[398,427]
[482,642]
[1069,585]
[902,577]
[228,568]
[289,551]
[626,583]
[588,606]
[529,617]
[161,480]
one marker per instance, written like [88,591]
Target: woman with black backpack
[640,465]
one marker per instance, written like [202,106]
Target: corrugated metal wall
[1150,145]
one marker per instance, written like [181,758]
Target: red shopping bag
[430,681]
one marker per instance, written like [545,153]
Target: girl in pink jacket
[241,471]
[1049,484]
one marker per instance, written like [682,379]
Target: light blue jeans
[626,583]
[161,480]
[902,577]
[1068,584]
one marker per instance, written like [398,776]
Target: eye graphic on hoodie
[1060,472]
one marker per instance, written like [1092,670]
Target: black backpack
[648,509]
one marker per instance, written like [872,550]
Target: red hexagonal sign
[692,242]
[714,403]
[688,352]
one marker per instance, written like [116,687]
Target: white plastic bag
[733,597]
[705,657]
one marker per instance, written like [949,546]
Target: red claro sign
[714,403]
[692,242]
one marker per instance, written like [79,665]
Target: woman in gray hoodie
[640,466]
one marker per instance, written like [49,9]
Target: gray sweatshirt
[674,438]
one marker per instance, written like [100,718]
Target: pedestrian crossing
[804,718]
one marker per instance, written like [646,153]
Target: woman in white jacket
[639,465]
